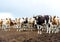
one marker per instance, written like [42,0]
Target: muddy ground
[28,36]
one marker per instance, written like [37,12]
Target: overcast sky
[21,8]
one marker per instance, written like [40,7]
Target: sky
[28,8]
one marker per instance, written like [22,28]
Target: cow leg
[6,27]
[38,28]
[47,28]
[41,28]
[9,29]
[31,27]
[20,27]
[3,27]
[40,32]
[50,29]
[0,26]
[56,29]
[53,28]
[16,27]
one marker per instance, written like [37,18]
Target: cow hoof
[40,32]
[17,29]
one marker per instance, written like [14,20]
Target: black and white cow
[41,21]
[25,23]
[48,23]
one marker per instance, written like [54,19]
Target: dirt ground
[28,36]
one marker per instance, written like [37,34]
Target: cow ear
[37,17]
[57,17]
[15,18]
[6,19]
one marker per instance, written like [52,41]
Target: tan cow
[31,22]
[7,24]
[19,22]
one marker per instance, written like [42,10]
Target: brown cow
[55,24]
[1,22]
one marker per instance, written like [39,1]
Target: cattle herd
[47,23]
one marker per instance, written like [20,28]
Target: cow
[39,22]
[25,23]
[48,23]
[17,20]
[55,24]
[7,24]
[59,24]
[14,23]
[31,22]
[1,22]
[19,23]
[42,21]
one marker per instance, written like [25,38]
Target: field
[28,36]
